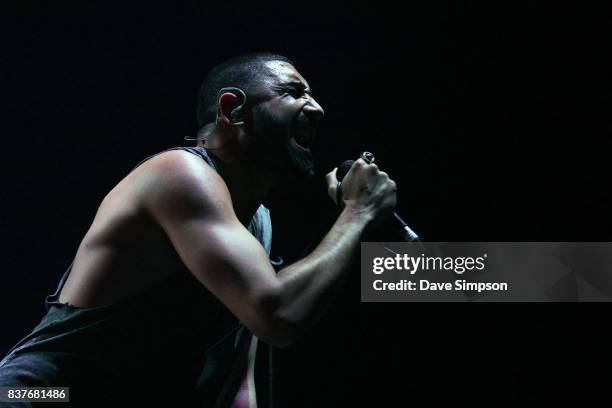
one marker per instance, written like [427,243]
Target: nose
[313,110]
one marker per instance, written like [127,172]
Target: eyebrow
[298,85]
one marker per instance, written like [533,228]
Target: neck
[247,183]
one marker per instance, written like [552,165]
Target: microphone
[408,234]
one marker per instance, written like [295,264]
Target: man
[183,239]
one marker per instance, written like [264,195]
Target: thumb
[332,184]
[331,177]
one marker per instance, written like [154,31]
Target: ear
[229,105]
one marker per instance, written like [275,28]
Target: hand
[365,190]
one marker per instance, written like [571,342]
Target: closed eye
[295,92]
[297,89]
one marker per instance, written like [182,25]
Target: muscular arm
[191,202]
[309,285]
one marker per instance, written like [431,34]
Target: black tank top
[174,342]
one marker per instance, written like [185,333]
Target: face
[284,120]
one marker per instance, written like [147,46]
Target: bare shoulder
[180,182]
[179,166]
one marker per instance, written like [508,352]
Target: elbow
[276,325]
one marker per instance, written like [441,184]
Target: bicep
[193,206]
[226,258]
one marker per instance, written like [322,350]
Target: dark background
[493,120]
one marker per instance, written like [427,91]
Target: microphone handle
[409,234]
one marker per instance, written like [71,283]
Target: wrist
[358,216]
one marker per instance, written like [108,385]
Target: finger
[331,177]
[332,185]
[372,168]
[359,163]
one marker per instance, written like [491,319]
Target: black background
[493,120]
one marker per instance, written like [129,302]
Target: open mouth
[304,136]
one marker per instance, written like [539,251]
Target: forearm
[308,286]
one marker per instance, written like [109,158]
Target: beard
[272,145]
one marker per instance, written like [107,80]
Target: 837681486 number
[33,394]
